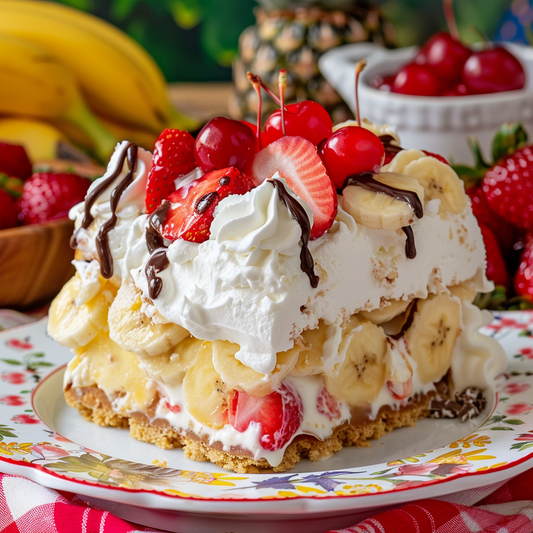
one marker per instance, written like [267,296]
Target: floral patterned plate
[43,439]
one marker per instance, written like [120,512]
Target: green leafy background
[195,40]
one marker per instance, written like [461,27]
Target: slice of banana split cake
[252,311]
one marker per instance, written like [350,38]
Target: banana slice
[364,370]
[432,335]
[76,325]
[132,330]
[204,392]
[387,311]
[244,378]
[378,210]
[402,159]
[170,368]
[466,291]
[310,359]
[440,182]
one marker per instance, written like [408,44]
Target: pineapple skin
[294,39]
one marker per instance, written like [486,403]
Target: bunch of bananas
[73,77]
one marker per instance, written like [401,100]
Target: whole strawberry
[508,187]
[8,210]
[48,196]
[173,157]
[14,161]
[496,269]
[523,280]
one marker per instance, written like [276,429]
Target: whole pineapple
[293,35]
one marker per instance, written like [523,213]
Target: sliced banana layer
[243,378]
[204,392]
[387,311]
[76,325]
[170,367]
[131,329]
[402,159]
[432,335]
[364,370]
[440,182]
[466,291]
[381,210]
[311,357]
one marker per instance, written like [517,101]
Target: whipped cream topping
[126,239]
[245,283]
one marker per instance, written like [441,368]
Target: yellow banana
[119,79]
[34,83]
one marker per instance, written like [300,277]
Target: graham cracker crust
[95,406]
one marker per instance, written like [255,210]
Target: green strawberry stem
[510,137]
[12,186]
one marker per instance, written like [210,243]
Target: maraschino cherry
[305,119]
[417,80]
[493,70]
[223,143]
[352,149]
[444,53]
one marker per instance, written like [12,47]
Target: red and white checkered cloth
[26,507]
[508,508]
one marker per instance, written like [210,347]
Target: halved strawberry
[327,405]
[192,206]
[173,157]
[297,161]
[279,414]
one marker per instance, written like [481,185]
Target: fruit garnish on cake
[257,299]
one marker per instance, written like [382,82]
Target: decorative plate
[43,439]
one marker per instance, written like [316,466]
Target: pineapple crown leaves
[510,137]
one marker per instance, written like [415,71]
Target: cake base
[96,407]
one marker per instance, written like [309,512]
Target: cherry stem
[447,6]
[254,78]
[282,83]
[484,38]
[256,84]
[359,66]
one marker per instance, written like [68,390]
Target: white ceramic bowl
[437,124]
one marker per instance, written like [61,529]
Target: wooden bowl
[35,262]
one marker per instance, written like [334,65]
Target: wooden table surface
[203,100]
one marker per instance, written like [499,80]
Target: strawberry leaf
[509,138]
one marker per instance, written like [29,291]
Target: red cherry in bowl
[417,80]
[351,150]
[223,143]
[445,55]
[306,119]
[493,70]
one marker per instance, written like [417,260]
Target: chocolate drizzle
[155,243]
[157,262]
[410,248]
[154,240]
[367,181]
[102,239]
[298,213]
[390,149]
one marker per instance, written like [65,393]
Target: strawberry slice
[327,405]
[14,161]
[279,414]
[173,157]
[192,206]
[297,161]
